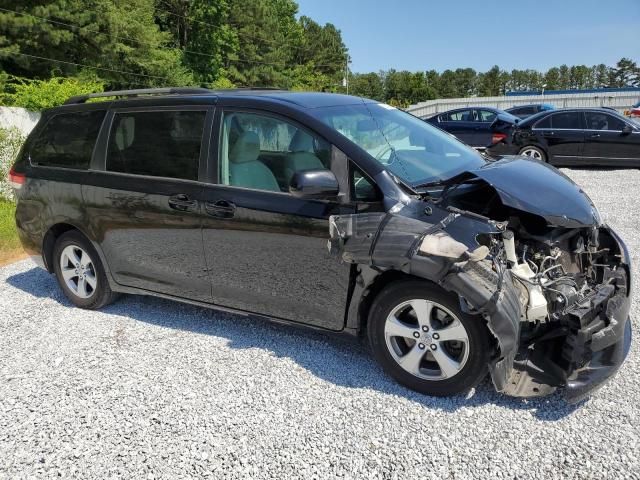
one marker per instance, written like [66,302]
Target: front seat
[301,156]
[245,170]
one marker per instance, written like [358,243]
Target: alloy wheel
[78,271]
[532,152]
[426,339]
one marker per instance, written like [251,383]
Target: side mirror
[314,184]
[627,129]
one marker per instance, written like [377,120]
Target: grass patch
[10,248]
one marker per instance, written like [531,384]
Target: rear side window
[487,116]
[567,120]
[67,140]
[523,111]
[460,116]
[157,144]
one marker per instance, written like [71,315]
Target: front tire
[533,152]
[80,273]
[422,339]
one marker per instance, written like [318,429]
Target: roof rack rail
[142,91]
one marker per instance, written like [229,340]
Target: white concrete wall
[20,118]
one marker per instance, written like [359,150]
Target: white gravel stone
[151,389]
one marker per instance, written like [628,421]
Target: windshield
[408,147]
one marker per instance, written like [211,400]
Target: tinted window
[67,140]
[159,144]
[570,120]
[264,152]
[544,123]
[527,110]
[602,121]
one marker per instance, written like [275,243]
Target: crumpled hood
[538,188]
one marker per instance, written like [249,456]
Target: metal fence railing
[619,100]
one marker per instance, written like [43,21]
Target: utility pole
[345,83]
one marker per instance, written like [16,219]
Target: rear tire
[423,340]
[80,272]
[533,152]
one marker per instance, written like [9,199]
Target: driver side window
[263,152]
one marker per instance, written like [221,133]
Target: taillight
[16,179]
[498,137]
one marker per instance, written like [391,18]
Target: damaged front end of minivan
[524,250]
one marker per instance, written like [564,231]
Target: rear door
[484,130]
[266,250]
[606,144]
[144,199]
[563,133]
[460,123]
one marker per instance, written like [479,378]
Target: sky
[439,34]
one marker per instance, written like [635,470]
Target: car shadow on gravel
[338,359]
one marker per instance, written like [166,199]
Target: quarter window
[158,144]
[364,190]
[544,123]
[264,152]
[67,140]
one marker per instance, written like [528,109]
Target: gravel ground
[153,389]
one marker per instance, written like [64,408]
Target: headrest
[301,142]
[246,148]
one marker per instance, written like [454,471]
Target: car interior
[265,153]
[140,140]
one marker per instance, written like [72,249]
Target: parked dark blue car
[479,127]
[525,111]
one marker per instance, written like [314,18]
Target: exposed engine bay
[552,288]
[565,282]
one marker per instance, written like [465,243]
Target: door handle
[548,134]
[182,202]
[220,209]
[595,135]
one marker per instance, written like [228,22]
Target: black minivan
[335,212]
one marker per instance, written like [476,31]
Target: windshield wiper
[436,183]
[443,182]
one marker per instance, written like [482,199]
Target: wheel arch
[55,231]
[369,293]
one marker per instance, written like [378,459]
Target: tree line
[148,43]
[115,44]
[403,88]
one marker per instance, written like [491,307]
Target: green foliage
[275,49]
[199,28]
[626,73]
[10,247]
[145,43]
[41,94]
[118,39]
[114,44]
[11,141]
[405,88]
